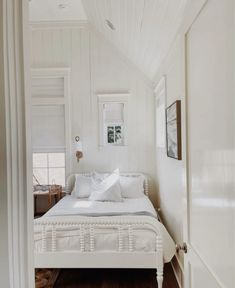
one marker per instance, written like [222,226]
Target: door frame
[18,197]
[193,11]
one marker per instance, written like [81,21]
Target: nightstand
[55,191]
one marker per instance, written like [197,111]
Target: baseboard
[178,271]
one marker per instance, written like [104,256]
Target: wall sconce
[78,147]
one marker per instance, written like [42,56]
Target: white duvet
[82,206]
[105,239]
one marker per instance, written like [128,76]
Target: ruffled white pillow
[107,189]
[82,187]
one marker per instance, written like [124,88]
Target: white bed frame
[96,259]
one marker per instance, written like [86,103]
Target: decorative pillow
[82,187]
[98,177]
[132,186]
[107,189]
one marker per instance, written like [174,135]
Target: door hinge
[182,247]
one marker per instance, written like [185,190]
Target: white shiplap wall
[169,172]
[97,68]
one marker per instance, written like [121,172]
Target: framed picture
[113,116]
[173,130]
[114,134]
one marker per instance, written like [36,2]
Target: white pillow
[107,189]
[132,186]
[98,177]
[82,186]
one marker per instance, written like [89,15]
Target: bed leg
[159,278]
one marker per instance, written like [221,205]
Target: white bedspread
[74,206]
[106,239]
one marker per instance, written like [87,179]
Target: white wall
[169,172]
[97,67]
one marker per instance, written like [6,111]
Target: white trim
[176,276]
[17,140]
[49,149]
[180,268]
[38,25]
[113,97]
[50,72]
[192,12]
[161,85]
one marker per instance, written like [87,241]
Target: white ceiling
[144,29]
[56,10]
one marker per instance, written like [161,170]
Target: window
[49,168]
[48,128]
[50,125]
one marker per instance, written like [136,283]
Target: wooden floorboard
[114,278]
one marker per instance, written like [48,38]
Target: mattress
[106,239]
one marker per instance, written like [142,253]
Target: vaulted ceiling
[143,30]
[56,10]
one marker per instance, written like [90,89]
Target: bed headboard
[71,181]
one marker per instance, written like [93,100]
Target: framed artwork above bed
[173,130]
[113,114]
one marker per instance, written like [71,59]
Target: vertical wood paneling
[144,30]
[169,171]
[97,67]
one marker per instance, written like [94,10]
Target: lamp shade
[78,146]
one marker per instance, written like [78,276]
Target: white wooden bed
[51,254]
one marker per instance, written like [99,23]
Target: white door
[210,111]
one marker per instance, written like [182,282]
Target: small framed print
[173,130]
[115,134]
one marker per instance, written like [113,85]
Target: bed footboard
[50,256]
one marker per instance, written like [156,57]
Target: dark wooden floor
[114,278]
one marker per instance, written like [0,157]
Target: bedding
[130,186]
[105,239]
[83,207]
[82,186]
[107,189]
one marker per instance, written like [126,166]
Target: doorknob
[181,247]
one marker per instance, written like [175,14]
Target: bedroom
[98,77]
